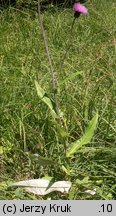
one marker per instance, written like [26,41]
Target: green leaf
[42,95]
[40,91]
[1,150]
[61,130]
[42,160]
[73,192]
[85,139]
[84,181]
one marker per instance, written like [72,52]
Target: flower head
[79,8]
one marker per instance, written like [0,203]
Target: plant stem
[67,46]
[50,65]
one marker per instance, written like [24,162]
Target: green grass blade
[85,139]
[70,77]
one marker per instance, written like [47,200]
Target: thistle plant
[69,148]
[78,10]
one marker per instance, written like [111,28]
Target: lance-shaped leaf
[43,186]
[85,139]
[42,160]
[43,96]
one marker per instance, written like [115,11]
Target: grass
[26,124]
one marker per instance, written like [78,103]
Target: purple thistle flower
[79,8]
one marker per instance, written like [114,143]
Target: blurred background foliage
[25,3]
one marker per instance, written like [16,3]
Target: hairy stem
[50,65]
[67,46]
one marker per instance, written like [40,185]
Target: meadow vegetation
[85,85]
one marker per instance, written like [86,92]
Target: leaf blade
[86,138]
[42,95]
[42,160]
